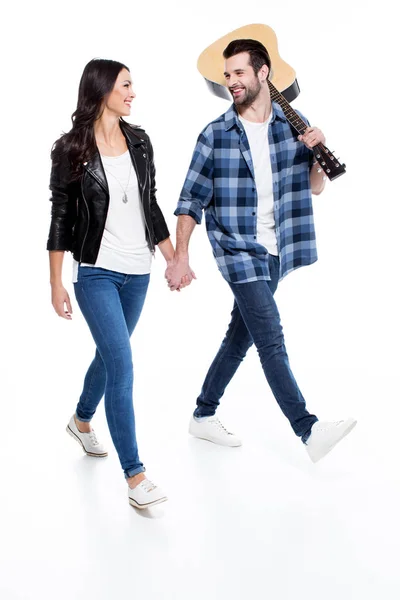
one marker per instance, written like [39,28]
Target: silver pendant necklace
[124,191]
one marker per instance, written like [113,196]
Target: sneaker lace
[328,425]
[147,485]
[218,424]
[93,438]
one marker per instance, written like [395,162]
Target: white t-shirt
[257,135]
[124,247]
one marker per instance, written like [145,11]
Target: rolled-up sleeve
[197,191]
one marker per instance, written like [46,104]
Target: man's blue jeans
[255,319]
[111,304]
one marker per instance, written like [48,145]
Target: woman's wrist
[167,250]
[55,283]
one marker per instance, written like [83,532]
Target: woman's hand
[61,302]
[187,279]
[179,274]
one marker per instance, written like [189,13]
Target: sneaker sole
[135,504]
[75,437]
[217,442]
[345,432]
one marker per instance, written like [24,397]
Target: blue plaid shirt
[221,182]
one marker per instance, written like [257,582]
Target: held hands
[61,302]
[178,273]
[312,137]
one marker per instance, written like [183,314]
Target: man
[254,180]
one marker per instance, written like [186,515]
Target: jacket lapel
[138,151]
[95,167]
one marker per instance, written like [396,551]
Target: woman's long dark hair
[79,144]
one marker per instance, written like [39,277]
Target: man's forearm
[184,229]
[179,274]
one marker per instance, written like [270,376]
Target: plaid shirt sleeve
[197,191]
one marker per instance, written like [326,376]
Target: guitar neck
[297,122]
[323,155]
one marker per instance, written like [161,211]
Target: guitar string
[321,147]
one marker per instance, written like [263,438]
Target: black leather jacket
[79,208]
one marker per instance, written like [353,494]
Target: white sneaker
[88,441]
[325,436]
[211,429]
[146,494]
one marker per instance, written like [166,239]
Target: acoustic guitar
[282,84]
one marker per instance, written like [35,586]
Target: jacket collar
[134,142]
[231,116]
[132,137]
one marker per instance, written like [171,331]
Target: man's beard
[250,94]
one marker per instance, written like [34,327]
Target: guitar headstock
[329,163]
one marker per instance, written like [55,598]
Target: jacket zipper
[152,247]
[87,207]
[87,229]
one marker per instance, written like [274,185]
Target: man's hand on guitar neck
[312,137]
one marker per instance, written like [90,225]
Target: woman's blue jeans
[111,304]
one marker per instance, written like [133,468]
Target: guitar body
[211,62]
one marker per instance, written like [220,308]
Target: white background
[261,519]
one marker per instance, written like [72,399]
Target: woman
[104,211]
